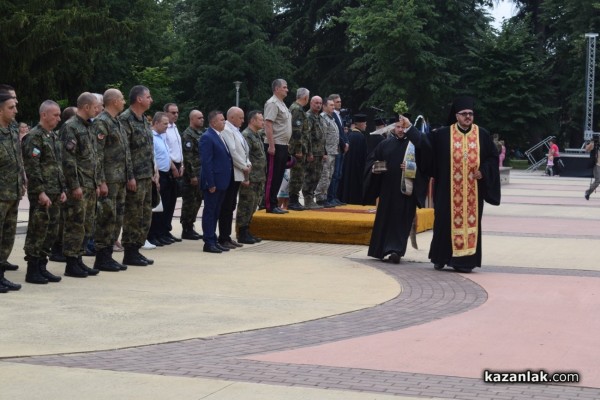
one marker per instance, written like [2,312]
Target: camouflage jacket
[317,134]
[79,156]
[332,134]
[257,154]
[114,160]
[11,165]
[190,141]
[141,143]
[299,142]
[42,158]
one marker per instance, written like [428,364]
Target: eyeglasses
[465,114]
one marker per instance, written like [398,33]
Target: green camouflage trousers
[8,227]
[191,199]
[326,174]
[42,228]
[296,178]
[249,198]
[138,214]
[312,175]
[109,219]
[79,218]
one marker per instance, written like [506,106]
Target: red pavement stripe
[542,226]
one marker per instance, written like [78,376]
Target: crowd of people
[109,170]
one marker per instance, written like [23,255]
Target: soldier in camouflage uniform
[191,197]
[331,150]
[46,190]
[138,200]
[298,145]
[250,196]
[11,184]
[315,153]
[114,170]
[80,161]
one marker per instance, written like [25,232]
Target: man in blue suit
[215,176]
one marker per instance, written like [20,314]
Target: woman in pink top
[554,153]
[502,154]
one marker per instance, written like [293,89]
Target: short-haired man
[251,195]
[278,131]
[215,177]
[299,143]
[173,140]
[239,151]
[191,196]
[11,185]
[315,152]
[80,161]
[114,170]
[46,190]
[331,150]
[344,146]
[138,199]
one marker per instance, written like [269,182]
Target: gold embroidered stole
[464,202]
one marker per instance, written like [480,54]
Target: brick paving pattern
[426,295]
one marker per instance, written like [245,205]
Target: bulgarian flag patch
[35,152]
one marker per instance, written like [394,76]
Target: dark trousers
[275,170]
[169,208]
[227,208]
[335,179]
[162,220]
[212,209]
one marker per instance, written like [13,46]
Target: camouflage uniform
[191,196]
[80,162]
[114,169]
[299,143]
[11,188]
[312,171]
[250,196]
[138,204]
[42,158]
[332,140]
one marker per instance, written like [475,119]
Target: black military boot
[103,261]
[189,233]
[90,271]
[255,238]
[33,272]
[244,237]
[295,204]
[5,284]
[8,266]
[57,254]
[149,261]
[132,256]
[115,262]
[43,262]
[73,269]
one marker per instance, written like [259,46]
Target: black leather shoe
[9,285]
[337,202]
[276,210]
[296,207]
[3,289]
[155,242]
[438,266]
[190,235]
[176,239]
[228,245]
[222,248]
[394,258]
[165,240]
[212,249]
[464,270]
[8,266]
[236,244]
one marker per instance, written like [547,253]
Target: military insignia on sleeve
[188,145]
[298,122]
[70,145]
[35,152]
[101,136]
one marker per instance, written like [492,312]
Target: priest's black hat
[379,122]
[460,104]
[393,120]
[360,118]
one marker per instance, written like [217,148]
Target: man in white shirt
[239,150]
[173,139]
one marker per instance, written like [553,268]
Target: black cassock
[351,185]
[435,162]
[395,211]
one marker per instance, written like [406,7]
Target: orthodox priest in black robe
[401,189]
[463,161]
[351,185]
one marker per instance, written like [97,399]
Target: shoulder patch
[35,152]
[101,136]
[70,145]
[298,122]
[188,144]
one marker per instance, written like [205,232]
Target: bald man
[114,170]
[239,150]
[191,196]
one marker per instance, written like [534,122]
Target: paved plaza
[288,320]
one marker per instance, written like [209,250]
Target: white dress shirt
[174,143]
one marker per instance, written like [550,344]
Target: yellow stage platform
[349,224]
